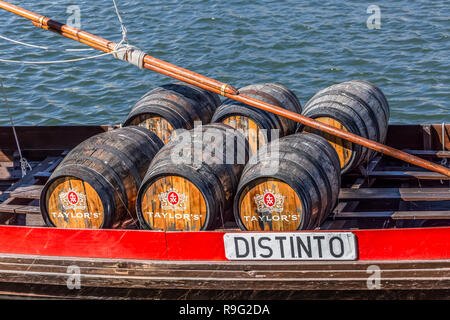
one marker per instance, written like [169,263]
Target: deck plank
[396,215]
[405,194]
[9,206]
[429,153]
[398,174]
[27,192]
[421,215]
[29,179]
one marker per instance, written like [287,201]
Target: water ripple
[305,45]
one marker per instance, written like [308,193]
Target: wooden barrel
[298,195]
[173,106]
[256,123]
[195,190]
[96,184]
[355,106]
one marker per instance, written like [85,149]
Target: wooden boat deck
[412,195]
[384,196]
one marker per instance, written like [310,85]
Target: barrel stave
[354,106]
[306,180]
[112,164]
[255,123]
[173,106]
[205,165]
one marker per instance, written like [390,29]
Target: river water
[304,45]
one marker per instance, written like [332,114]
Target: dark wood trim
[41,141]
[190,275]
[406,194]
[407,215]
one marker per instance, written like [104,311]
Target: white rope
[24,165]
[23,43]
[79,49]
[41,47]
[125,51]
[130,54]
[57,61]
[122,25]
[122,51]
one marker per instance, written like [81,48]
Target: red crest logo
[72,197]
[269,199]
[172,197]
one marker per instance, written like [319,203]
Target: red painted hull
[393,244]
[406,236]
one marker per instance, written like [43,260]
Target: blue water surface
[304,45]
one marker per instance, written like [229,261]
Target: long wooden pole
[218,87]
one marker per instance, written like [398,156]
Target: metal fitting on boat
[129,54]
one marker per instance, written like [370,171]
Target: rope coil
[222,90]
[130,54]
[41,20]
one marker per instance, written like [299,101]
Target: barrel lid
[269,204]
[172,203]
[73,203]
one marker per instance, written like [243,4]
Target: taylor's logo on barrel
[269,199]
[72,200]
[172,200]
[269,202]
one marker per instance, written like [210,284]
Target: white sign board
[290,246]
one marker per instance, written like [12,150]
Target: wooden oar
[218,87]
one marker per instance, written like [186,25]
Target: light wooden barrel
[299,195]
[96,184]
[196,194]
[355,106]
[256,123]
[173,106]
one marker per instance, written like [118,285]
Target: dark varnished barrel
[173,106]
[96,184]
[195,191]
[299,194]
[256,123]
[355,106]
